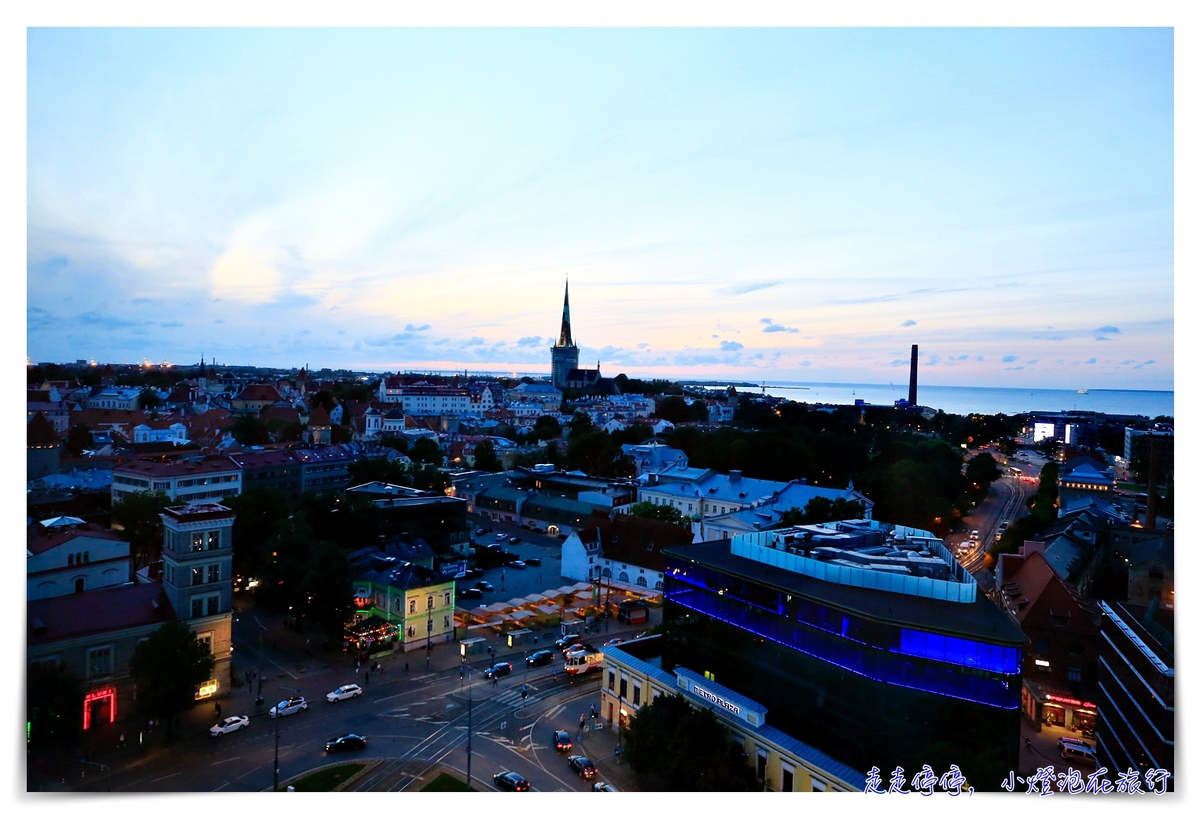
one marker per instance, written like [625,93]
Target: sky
[760,204]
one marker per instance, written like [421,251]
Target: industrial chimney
[912,378]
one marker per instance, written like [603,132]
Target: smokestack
[912,379]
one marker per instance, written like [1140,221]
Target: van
[1078,751]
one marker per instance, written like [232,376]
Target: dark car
[534,561]
[563,642]
[498,669]
[562,741]
[474,573]
[513,540]
[470,593]
[581,765]
[541,657]
[511,782]
[484,585]
[350,741]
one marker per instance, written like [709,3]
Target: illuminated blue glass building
[866,640]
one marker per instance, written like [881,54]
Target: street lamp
[470,708]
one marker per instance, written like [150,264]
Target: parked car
[474,573]
[344,692]
[582,766]
[600,786]
[511,782]
[541,657]
[612,643]
[534,561]
[350,741]
[517,564]
[230,725]
[501,537]
[481,530]
[563,642]
[562,741]
[498,669]
[571,648]
[289,706]
[484,585]
[513,540]
[470,593]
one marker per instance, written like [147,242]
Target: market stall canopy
[535,598]
[581,586]
[368,625]
[498,607]
[517,602]
[520,616]
[566,590]
[497,621]
[546,610]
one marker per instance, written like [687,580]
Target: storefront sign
[715,699]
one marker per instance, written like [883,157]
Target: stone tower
[564,356]
[197,577]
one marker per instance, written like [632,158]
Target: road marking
[165,777]
[226,760]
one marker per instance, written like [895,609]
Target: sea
[965,400]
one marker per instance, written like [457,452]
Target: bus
[583,661]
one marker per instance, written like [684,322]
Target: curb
[366,769]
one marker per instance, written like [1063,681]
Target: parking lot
[513,582]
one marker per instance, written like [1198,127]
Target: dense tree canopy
[823,510]
[425,450]
[138,514]
[674,747]
[167,669]
[257,512]
[79,438]
[485,457]
[54,702]
[651,511]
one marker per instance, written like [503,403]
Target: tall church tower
[564,356]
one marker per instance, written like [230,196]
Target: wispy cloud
[750,287]
[771,326]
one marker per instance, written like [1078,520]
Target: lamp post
[470,708]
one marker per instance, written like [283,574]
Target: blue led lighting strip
[863,670]
[919,644]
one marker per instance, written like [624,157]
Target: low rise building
[623,551]
[633,677]
[187,481]
[416,603]
[65,555]
[277,469]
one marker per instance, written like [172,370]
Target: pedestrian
[356,670]
[406,667]
[1029,745]
[495,681]
[367,677]
[554,673]
[582,722]
[218,709]
[121,742]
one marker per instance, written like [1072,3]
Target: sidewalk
[600,746]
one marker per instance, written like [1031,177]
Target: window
[637,694]
[818,785]
[86,557]
[99,661]
[429,602]
[446,598]
[445,621]
[412,606]
[214,540]
[1074,674]
[198,575]
[607,573]
[412,631]
[789,778]
[70,560]
[624,577]
[612,680]
[624,691]
[197,541]
[641,581]
[197,607]
[658,585]
[213,604]
[205,639]
[214,572]
[79,585]
[169,573]
[760,766]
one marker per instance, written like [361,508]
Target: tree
[823,510]
[425,450]
[138,514]
[485,457]
[982,470]
[79,438]
[651,511]
[149,399]
[257,511]
[327,593]
[547,428]
[54,702]
[579,423]
[712,762]
[397,442]
[249,430]
[340,433]
[167,669]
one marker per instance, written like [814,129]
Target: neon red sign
[109,693]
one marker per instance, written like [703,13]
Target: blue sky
[768,204]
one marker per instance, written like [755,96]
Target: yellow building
[419,601]
[781,763]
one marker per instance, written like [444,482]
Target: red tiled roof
[319,416]
[42,539]
[266,457]
[176,468]
[259,392]
[102,611]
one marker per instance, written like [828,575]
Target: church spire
[564,335]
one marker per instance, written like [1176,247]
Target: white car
[601,786]
[289,706]
[230,725]
[344,692]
